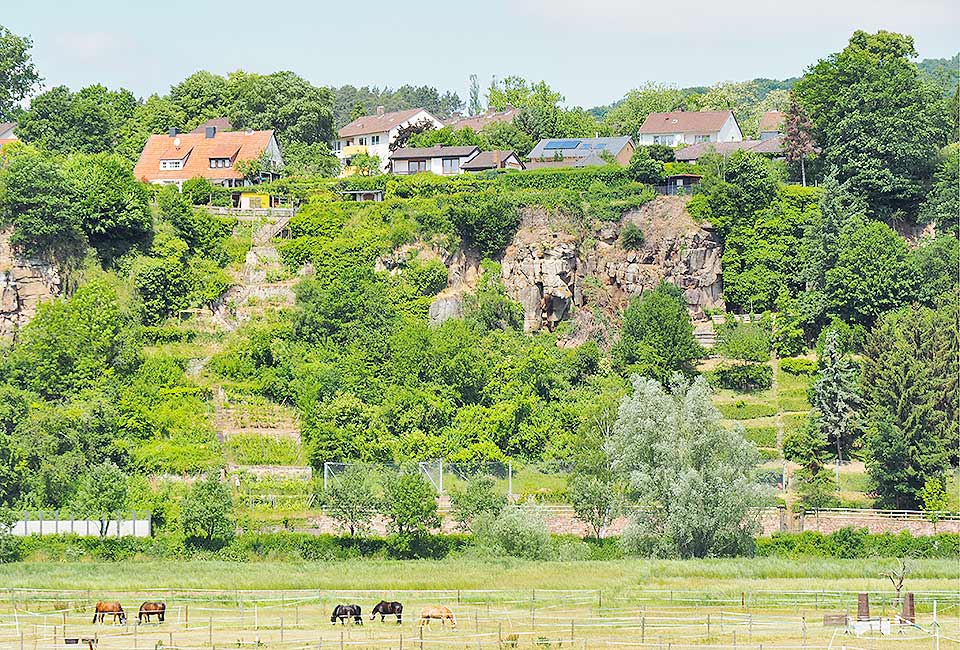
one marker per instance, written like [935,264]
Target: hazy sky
[591,51]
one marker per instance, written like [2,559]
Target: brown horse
[149,609]
[441,613]
[113,608]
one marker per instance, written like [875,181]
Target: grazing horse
[104,608]
[385,608]
[440,612]
[149,609]
[343,612]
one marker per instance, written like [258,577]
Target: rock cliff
[558,271]
[24,284]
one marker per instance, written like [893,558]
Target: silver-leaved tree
[693,480]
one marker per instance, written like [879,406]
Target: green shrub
[253,449]
[518,531]
[745,376]
[762,436]
[852,543]
[799,366]
[631,237]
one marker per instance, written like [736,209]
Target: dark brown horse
[343,612]
[149,609]
[104,608]
[386,608]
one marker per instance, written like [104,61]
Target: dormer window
[219,163]
[171,164]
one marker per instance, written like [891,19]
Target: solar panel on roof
[562,144]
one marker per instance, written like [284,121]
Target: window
[219,163]
[451,165]
[338,145]
[701,138]
[415,166]
[361,141]
[663,139]
[171,164]
[374,139]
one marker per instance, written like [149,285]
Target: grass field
[499,603]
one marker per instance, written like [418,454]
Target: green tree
[519,93]
[410,504]
[88,121]
[365,164]
[836,397]
[206,511]
[942,204]
[628,116]
[909,381]
[807,446]
[18,75]
[155,115]
[351,499]
[657,336]
[200,97]
[933,499]
[644,169]
[474,107]
[101,492]
[506,136]
[879,123]
[693,479]
[477,498]
[595,501]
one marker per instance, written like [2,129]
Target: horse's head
[123,617]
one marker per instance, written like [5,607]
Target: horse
[343,612]
[104,608]
[385,608]
[440,612]
[149,609]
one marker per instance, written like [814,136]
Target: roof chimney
[379,111]
[211,132]
[172,132]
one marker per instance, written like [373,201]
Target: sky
[592,51]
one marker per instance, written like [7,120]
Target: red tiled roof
[222,124]
[685,122]
[771,121]
[377,123]
[489,160]
[247,145]
[477,122]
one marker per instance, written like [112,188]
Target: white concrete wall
[30,523]
[730,132]
[383,148]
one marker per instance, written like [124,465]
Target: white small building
[690,127]
[373,134]
[6,132]
[439,159]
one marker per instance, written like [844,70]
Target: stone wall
[24,285]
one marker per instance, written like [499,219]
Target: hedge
[799,366]
[858,543]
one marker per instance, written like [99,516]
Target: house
[689,127]
[373,134]
[477,122]
[772,147]
[679,183]
[771,124]
[173,158]
[499,159]
[439,159]
[580,152]
[6,132]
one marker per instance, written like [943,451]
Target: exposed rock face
[24,284]
[557,275]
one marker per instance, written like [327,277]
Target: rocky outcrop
[558,272]
[24,284]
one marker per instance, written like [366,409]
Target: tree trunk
[803,172]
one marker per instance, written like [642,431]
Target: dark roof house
[579,152]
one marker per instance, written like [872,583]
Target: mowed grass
[708,576]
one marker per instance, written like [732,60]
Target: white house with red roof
[690,127]
[372,134]
[174,157]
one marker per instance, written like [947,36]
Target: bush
[853,543]
[631,237]
[745,376]
[744,341]
[799,366]
[518,531]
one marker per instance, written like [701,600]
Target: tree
[88,121]
[351,500]
[476,499]
[879,123]
[836,396]
[628,116]
[644,169]
[518,92]
[101,492]
[155,115]
[407,131]
[657,336]
[474,106]
[9,545]
[205,512]
[693,479]
[807,446]
[506,136]
[447,136]
[358,111]
[200,97]
[18,75]
[798,144]
[933,499]
[595,501]
[910,387]
[410,504]
[942,205]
